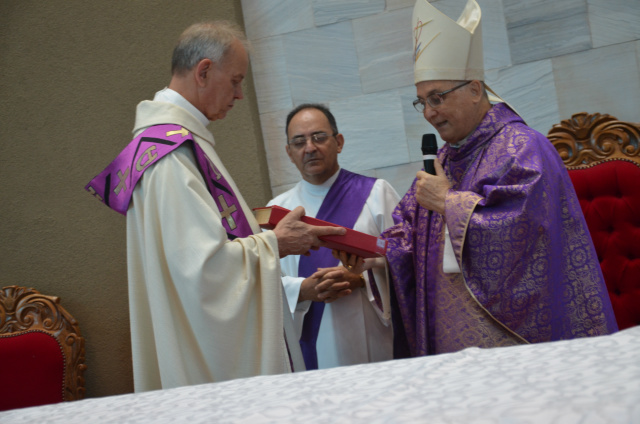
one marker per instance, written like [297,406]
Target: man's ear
[288,149]
[203,68]
[340,140]
[476,88]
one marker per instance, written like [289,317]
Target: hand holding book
[296,237]
[351,241]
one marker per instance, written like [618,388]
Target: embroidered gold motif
[150,158]
[227,211]
[182,131]
[122,185]
[93,193]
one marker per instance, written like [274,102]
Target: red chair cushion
[32,370]
[609,195]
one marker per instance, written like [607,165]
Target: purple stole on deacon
[114,186]
[343,204]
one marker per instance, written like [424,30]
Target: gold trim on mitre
[444,49]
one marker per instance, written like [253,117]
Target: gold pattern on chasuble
[459,320]
[582,285]
[495,242]
[511,259]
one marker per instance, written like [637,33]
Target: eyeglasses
[434,100]
[318,138]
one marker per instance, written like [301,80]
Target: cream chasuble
[203,308]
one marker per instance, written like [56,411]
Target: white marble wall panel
[399,4]
[401,176]
[542,29]
[496,50]
[604,80]
[269,67]
[614,21]
[415,125]
[548,58]
[281,170]
[275,191]
[529,88]
[637,43]
[331,11]
[322,64]
[373,130]
[265,18]
[384,50]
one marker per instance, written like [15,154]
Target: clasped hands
[330,284]
[431,190]
[327,284]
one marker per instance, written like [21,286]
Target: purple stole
[343,204]
[114,186]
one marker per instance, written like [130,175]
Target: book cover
[354,242]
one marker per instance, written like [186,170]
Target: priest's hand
[431,190]
[296,237]
[329,284]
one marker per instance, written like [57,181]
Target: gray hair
[205,40]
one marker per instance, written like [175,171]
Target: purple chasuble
[518,234]
[114,186]
[342,205]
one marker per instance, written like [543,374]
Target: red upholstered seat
[32,370]
[609,194]
[41,350]
[602,156]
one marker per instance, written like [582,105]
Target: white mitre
[448,50]
[444,49]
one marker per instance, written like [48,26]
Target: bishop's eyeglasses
[434,100]
[318,139]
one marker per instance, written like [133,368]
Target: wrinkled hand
[431,190]
[296,237]
[329,284]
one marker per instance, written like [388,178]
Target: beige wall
[71,74]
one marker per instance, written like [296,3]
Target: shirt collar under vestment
[168,95]
[320,189]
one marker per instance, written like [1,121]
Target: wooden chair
[602,156]
[41,350]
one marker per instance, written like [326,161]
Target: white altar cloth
[592,380]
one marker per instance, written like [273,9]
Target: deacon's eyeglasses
[434,100]
[318,139]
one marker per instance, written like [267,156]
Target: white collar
[320,189]
[168,95]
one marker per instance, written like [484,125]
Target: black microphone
[429,152]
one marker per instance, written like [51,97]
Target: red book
[354,242]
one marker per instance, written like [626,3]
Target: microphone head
[429,144]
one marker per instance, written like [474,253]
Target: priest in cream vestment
[205,294]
